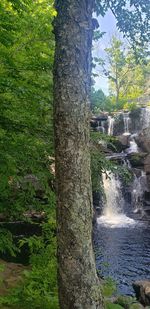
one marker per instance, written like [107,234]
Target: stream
[123,253]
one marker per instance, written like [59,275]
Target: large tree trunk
[77,279]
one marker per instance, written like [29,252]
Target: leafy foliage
[99,101]
[39,287]
[127,78]
[108,287]
[6,243]
[26,131]
[132,19]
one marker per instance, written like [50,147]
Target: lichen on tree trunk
[78,283]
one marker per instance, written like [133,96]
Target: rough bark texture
[78,283]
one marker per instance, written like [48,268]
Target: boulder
[124,140]
[136,123]
[118,124]
[142,291]
[143,140]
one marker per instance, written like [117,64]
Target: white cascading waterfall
[103,126]
[133,145]
[110,125]
[145,117]
[138,188]
[98,125]
[113,211]
[126,120]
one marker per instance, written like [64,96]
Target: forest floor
[11,274]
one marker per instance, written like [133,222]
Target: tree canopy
[132,18]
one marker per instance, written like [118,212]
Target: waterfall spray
[126,119]
[113,211]
[110,125]
[145,119]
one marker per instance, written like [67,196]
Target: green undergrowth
[114,301]
[38,289]
[108,287]
[6,243]
[109,305]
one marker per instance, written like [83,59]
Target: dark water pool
[123,254]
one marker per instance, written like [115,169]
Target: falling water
[145,119]
[103,126]
[98,125]
[138,188]
[110,125]
[113,212]
[126,119]
[133,145]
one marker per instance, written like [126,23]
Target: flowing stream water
[123,253]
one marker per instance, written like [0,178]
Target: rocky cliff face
[132,130]
[138,141]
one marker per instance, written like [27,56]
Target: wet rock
[137,159]
[118,124]
[147,196]
[135,306]
[124,140]
[142,291]
[148,180]
[98,121]
[147,164]
[143,140]
[137,172]
[135,116]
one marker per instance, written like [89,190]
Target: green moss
[135,306]
[109,305]
[125,301]
[108,287]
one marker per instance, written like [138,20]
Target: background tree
[127,78]
[100,102]
[132,18]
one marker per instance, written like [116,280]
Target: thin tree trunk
[77,279]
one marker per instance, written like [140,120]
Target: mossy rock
[125,301]
[109,305]
[136,306]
